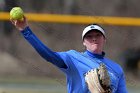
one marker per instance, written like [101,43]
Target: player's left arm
[122,85]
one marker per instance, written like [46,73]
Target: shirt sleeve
[43,50]
[122,85]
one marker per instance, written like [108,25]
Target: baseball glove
[98,80]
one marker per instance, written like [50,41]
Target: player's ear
[84,43]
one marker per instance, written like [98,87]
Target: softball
[16,13]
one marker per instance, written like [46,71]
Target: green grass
[134,89]
[31,85]
[30,91]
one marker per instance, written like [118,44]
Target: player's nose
[94,38]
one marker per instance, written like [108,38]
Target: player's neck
[96,51]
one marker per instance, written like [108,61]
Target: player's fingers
[16,22]
[12,21]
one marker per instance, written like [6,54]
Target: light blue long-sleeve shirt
[75,64]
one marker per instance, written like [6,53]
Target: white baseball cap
[93,27]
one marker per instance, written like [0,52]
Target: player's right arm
[43,50]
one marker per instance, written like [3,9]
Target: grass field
[31,85]
[39,85]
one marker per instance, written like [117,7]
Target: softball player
[75,64]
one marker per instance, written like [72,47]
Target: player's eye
[98,35]
[88,36]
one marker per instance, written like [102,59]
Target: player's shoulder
[73,52]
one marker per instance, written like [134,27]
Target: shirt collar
[100,56]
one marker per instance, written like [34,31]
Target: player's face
[94,41]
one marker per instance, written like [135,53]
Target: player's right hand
[20,24]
